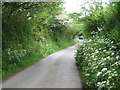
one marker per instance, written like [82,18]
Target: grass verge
[29,60]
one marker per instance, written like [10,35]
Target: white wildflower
[108,71]
[117,57]
[103,81]
[111,41]
[104,59]
[99,73]
[112,53]
[108,57]
[87,74]
[104,69]
[96,51]
[104,50]
[102,64]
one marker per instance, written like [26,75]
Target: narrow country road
[57,70]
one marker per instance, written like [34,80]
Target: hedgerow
[31,31]
[98,57]
[98,61]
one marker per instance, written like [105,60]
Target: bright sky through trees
[74,5]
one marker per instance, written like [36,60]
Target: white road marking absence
[52,54]
[44,59]
[57,70]
[60,54]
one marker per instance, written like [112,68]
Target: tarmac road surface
[57,70]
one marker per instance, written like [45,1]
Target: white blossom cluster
[16,54]
[101,62]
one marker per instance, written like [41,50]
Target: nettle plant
[99,60]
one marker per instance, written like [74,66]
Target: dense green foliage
[98,58]
[31,31]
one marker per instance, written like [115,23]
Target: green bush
[98,58]
[98,61]
[31,29]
